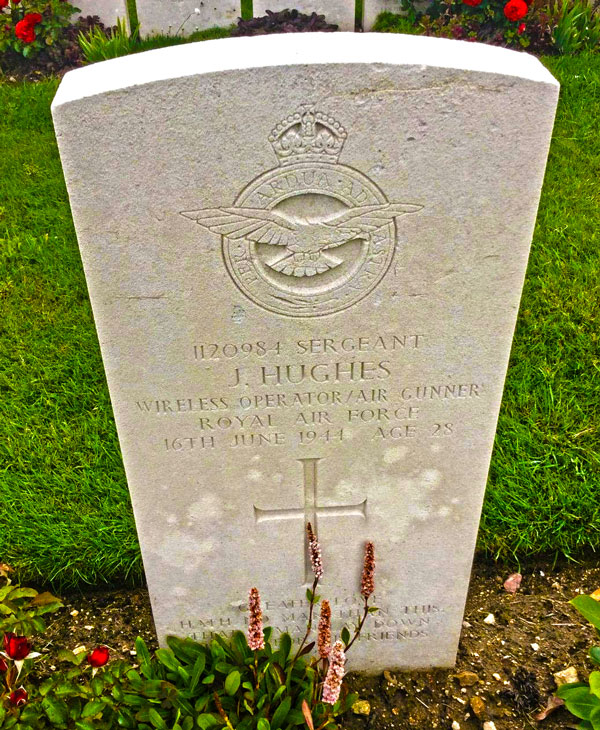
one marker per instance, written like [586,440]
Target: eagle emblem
[279,236]
[305,243]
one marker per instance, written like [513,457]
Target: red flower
[3,665]
[3,3]
[17,647]
[472,3]
[98,657]
[16,2]
[521,28]
[515,9]
[18,697]
[33,18]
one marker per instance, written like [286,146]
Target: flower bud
[16,647]
[18,697]
[98,657]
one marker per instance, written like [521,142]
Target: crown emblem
[308,136]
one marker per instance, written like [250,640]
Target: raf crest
[278,235]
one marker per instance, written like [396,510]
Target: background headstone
[340,12]
[167,16]
[372,8]
[107,10]
[305,256]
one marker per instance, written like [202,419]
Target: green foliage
[220,684]
[582,699]
[98,45]
[482,20]
[21,609]
[577,26]
[55,17]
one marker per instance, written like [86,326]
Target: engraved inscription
[311,510]
[279,234]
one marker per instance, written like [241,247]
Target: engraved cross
[311,510]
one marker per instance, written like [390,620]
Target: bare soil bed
[504,671]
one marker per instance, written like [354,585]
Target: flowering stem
[359,626]
[310,618]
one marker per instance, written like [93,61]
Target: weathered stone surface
[340,12]
[352,373]
[107,10]
[180,16]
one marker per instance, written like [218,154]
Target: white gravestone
[340,12]
[372,8]
[109,11]
[305,255]
[185,16]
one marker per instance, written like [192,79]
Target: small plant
[100,45]
[577,26]
[28,27]
[582,699]
[238,683]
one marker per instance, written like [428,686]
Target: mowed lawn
[65,515]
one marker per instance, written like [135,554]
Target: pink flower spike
[316,560]
[335,674]
[256,639]
[324,635]
[367,585]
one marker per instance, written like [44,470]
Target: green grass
[66,516]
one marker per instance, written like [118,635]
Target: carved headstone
[305,256]
[109,11]
[185,16]
[340,12]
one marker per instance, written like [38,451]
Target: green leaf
[566,689]
[208,679]
[56,710]
[281,713]
[345,635]
[223,667]
[581,702]
[197,670]
[309,595]
[22,593]
[207,720]
[285,646]
[168,659]
[595,654]
[588,608]
[141,650]
[93,707]
[157,720]
[595,719]
[232,682]
[263,724]
[594,681]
